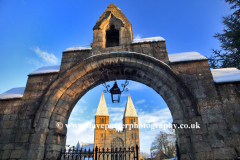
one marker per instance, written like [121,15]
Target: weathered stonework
[28,125]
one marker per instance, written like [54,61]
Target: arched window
[102,120]
[117,143]
[112,37]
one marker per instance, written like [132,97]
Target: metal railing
[100,154]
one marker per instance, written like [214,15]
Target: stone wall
[27,125]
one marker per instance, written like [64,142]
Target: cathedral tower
[106,137]
[101,121]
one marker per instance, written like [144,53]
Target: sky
[34,34]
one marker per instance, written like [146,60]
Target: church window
[131,120]
[117,143]
[112,37]
[102,120]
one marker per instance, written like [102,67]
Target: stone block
[145,45]
[196,138]
[52,154]
[6,154]
[201,130]
[37,138]
[148,51]
[201,147]
[224,153]
[191,70]
[20,137]
[45,114]
[204,156]
[199,93]
[16,154]
[53,139]
[53,147]
[178,115]
[62,112]
[43,123]
[137,49]
[7,138]
[8,146]
[162,44]
[212,118]
[38,154]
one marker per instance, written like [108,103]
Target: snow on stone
[47,69]
[78,48]
[151,39]
[185,56]
[226,75]
[13,93]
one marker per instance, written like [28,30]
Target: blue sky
[34,34]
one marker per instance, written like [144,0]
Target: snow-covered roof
[47,69]
[151,39]
[78,48]
[226,75]
[13,93]
[186,56]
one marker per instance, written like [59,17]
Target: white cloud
[83,100]
[48,58]
[124,95]
[34,62]
[81,134]
[137,36]
[136,86]
[116,117]
[77,110]
[116,109]
[140,101]
[157,117]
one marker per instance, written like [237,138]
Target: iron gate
[100,154]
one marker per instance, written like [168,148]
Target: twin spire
[129,111]
[102,107]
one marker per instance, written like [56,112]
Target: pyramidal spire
[102,107]
[130,110]
[77,146]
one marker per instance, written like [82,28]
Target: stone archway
[28,123]
[72,84]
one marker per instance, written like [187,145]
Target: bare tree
[164,145]
[145,155]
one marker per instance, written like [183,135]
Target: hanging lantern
[115,91]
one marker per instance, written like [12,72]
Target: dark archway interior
[112,37]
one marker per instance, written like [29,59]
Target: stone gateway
[192,91]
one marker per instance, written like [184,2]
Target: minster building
[105,137]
